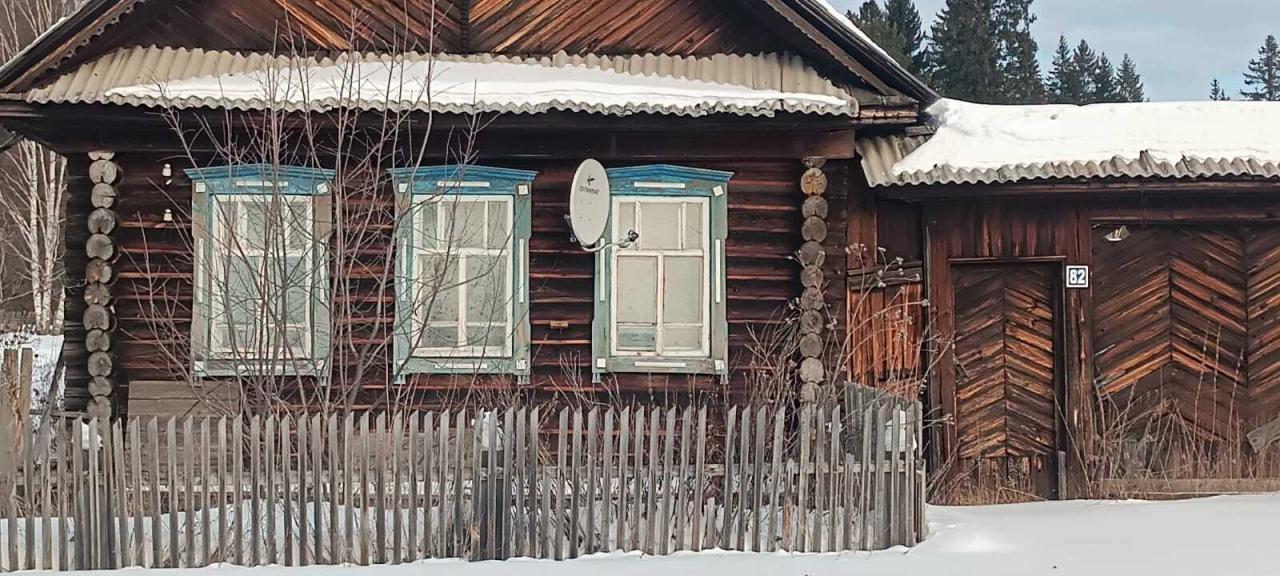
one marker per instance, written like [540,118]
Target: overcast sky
[1179,45]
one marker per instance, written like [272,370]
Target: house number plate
[1077,276]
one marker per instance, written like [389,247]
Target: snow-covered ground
[1225,536]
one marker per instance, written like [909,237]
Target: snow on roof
[448,83]
[979,143]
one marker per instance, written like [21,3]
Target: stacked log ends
[99,316]
[812,256]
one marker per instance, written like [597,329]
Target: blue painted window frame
[207,185]
[414,184]
[675,182]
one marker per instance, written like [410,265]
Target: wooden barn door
[1007,378]
[1187,342]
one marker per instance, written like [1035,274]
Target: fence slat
[255,507]
[366,452]
[118,467]
[700,466]
[66,501]
[445,510]
[682,478]
[411,538]
[590,477]
[271,555]
[575,488]
[606,487]
[523,528]
[428,447]
[286,495]
[223,525]
[349,525]
[237,487]
[624,496]
[744,478]
[335,468]
[757,480]
[304,523]
[507,482]
[318,528]
[727,494]
[561,456]
[153,440]
[664,536]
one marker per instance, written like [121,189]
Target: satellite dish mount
[590,202]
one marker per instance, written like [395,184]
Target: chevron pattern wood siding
[1263,252]
[1172,322]
[1005,384]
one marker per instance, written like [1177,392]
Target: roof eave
[50,43]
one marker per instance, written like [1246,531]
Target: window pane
[298,293]
[486,335]
[227,214]
[681,337]
[693,226]
[626,221]
[636,289]
[257,229]
[440,337]
[499,231]
[427,236]
[298,224]
[661,223]
[487,296]
[682,290]
[636,338]
[466,224]
[437,289]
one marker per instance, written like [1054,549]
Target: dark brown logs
[100,248]
[812,256]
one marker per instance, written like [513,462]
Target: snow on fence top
[979,143]
[760,85]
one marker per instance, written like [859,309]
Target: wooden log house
[748,108]
[1102,287]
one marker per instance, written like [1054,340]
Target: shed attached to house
[1104,284]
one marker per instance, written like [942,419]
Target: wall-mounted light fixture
[1118,235]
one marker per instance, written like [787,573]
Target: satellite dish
[589,202]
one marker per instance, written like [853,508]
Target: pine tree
[1084,61]
[1216,93]
[1065,86]
[1263,77]
[1130,82]
[1105,87]
[873,22]
[1021,71]
[903,16]
[964,50]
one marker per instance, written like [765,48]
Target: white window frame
[703,251]
[464,255]
[222,253]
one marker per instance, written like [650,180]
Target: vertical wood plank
[543,478]
[223,524]
[895,476]
[651,492]
[881,471]
[664,536]
[775,477]
[396,437]
[255,506]
[78,502]
[637,482]
[350,474]
[153,440]
[65,500]
[743,472]
[286,497]
[806,437]
[624,436]
[318,528]
[445,529]
[118,464]
[699,482]
[682,480]
[508,478]
[271,553]
[833,484]
[188,488]
[534,457]
[490,525]
[334,474]
[727,493]
[207,502]
[848,502]
[867,414]
[411,537]
[93,522]
[589,531]
[380,453]
[607,491]
[460,449]
[363,536]
[561,455]
[304,523]
[428,446]
[575,486]
[237,487]
[523,527]
[757,480]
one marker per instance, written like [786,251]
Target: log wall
[154,269]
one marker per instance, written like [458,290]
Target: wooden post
[812,257]
[99,316]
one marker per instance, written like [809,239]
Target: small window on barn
[660,304]
[261,269]
[462,295]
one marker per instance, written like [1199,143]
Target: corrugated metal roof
[880,154]
[104,80]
